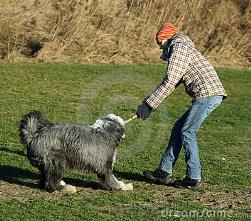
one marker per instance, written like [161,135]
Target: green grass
[83,93]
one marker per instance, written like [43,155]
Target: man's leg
[184,133]
[163,173]
[200,109]
[171,155]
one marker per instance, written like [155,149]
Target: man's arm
[177,67]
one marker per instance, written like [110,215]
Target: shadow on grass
[129,175]
[15,175]
[9,150]
[81,183]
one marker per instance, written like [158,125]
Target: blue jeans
[184,134]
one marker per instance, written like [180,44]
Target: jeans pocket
[216,101]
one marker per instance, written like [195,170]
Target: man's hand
[144,111]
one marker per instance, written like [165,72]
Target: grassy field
[83,93]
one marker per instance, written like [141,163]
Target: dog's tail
[30,125]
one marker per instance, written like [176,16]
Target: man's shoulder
[182,40]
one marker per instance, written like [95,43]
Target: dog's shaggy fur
[53,148]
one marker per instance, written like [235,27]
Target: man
[188,66]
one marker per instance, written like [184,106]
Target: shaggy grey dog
[53,148]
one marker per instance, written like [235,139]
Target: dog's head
[116,119]
[112,124]
[115,125]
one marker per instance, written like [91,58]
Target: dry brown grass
[122,30]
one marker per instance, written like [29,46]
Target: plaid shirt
[188,66]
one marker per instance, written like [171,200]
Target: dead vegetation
[122,30]
[237,200]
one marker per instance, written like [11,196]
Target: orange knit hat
[165,32]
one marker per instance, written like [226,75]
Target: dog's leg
[52,181]
[42,177]
[101,177]
[54,171]
[111,183]
[123,186]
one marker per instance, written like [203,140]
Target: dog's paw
[127,186]
[62,183]
[68,189]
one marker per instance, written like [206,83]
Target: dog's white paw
[69,189]
[62,183]
[127,186]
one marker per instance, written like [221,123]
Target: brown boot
[158,176]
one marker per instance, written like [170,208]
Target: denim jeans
[184,134]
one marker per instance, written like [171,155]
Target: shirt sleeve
[177,66]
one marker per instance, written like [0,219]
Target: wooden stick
[130,119]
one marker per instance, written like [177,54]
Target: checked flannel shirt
[188,66]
